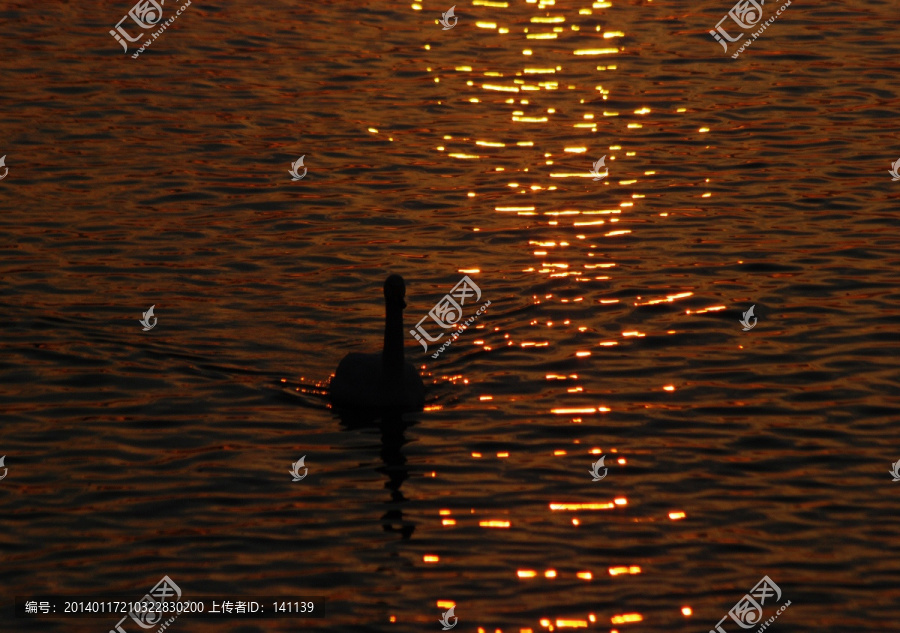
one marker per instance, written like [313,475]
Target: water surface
[613,327]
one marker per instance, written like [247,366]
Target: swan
[382,380]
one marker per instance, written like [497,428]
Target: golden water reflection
[573,231]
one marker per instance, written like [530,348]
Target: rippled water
[613,327]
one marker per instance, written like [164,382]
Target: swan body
[381,380]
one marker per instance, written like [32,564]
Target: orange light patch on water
[476,455]
[445,604]
[711,309]
[502,455]
[585,575]
[581,506]
[582,354]
[448,522]
[596,51]
[444,513]
[526,573]
[573,411]
[634,333]
[393,618]
[572,624]
[550,573]
[499,88]
[669,388]
[626,618]
[576,522]
[616,571]
[675,516]
[430,558]
[482,398]
[558,453]
[494,524]
[687,611]
[621,460]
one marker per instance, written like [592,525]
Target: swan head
[395,291]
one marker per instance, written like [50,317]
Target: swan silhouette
[384,380]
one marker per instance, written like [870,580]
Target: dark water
[163,181]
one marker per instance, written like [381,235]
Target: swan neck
[392,355]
